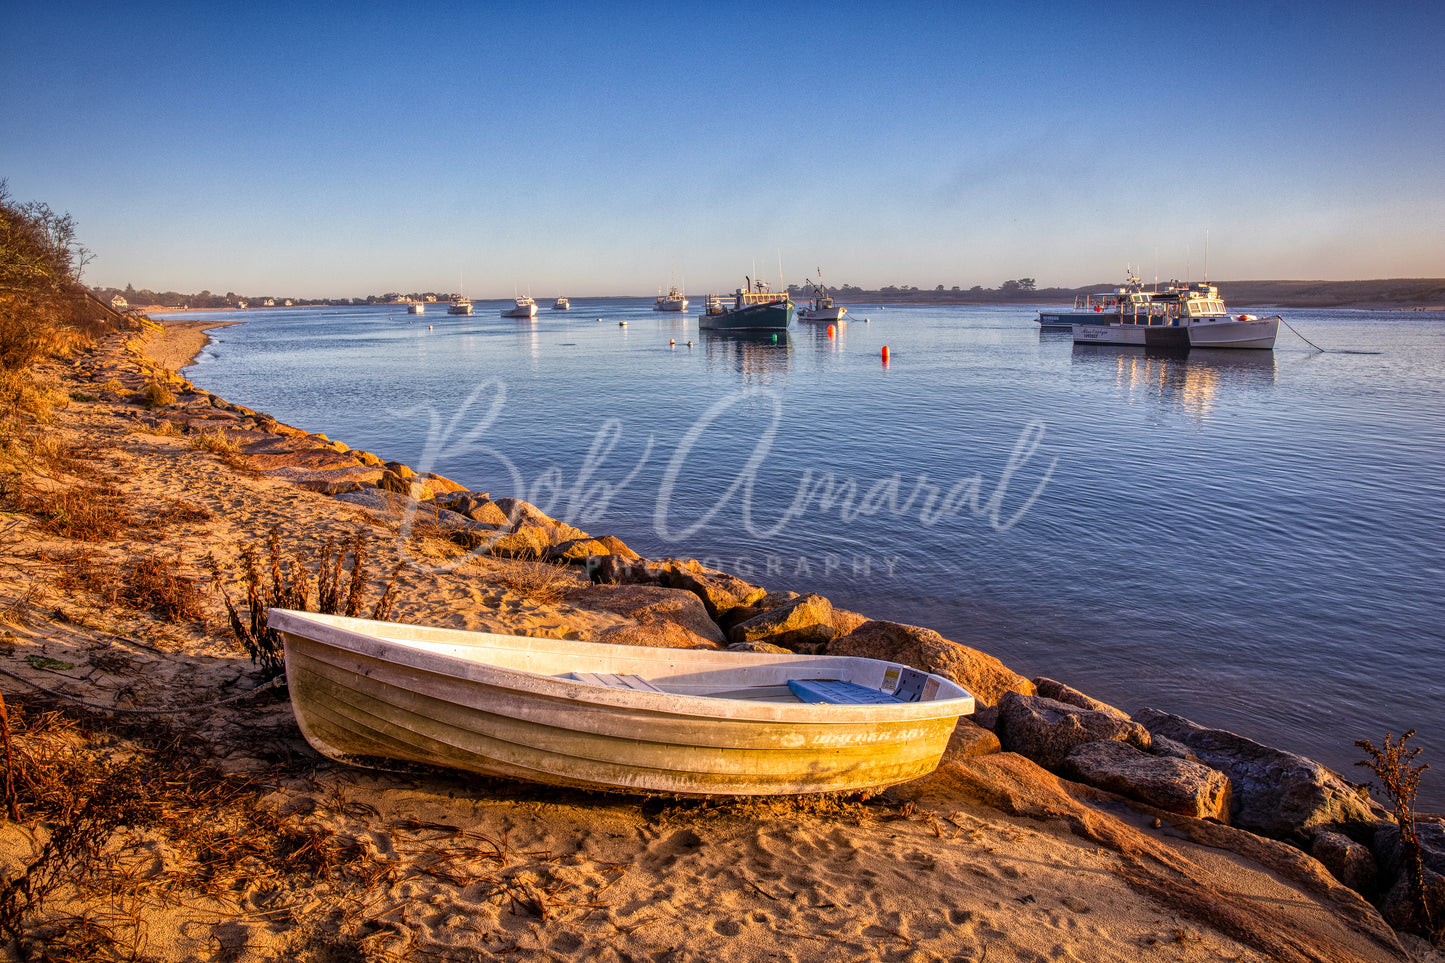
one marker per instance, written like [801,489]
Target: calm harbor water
[1252,540]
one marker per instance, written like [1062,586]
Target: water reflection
[1187,382]
[815,334]
[529,341]
[761,357]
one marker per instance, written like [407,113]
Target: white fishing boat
[416,307]
[673,300]
[523,307]
[459,305]
[561,304]
[615,717]
[820,307]
[1180,317]
[1098,308]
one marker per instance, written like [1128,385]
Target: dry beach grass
[165,833]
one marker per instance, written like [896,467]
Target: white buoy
[622,324]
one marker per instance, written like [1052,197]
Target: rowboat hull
[510,707]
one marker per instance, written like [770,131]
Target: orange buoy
[885,352]
[832,330]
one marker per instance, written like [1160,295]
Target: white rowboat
[616,717]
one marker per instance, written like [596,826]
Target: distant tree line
[1022,289]
[145,297]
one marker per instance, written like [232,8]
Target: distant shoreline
[1386,294]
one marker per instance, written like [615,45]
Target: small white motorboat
[523,307]
[613,717]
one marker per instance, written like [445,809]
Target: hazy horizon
[570,149]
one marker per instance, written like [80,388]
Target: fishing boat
[561,304]
[673,300]
[820,307]
[459,305]
[1181,317]
[614,717]
[1099,308]
[523,307]
[416,307]
[754,308]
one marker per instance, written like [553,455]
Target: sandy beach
[227,838]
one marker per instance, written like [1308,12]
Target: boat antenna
[1206,255]
[781,285]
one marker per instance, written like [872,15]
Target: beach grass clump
[537,580]
[26,401]
[85,512]
[284,580]
[215,442]
[156,395]
[227,449]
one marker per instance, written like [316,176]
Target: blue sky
[588,149]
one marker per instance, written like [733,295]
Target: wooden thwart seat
[615,681]
[838,692]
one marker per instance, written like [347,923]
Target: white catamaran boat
[1180,317]
[523,307]
[625,718]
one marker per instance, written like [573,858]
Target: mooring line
[1301,337]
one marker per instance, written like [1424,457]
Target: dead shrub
[154,584]
[289,587]
[84,513]
[1400,778]
[59,904]
[188,512]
